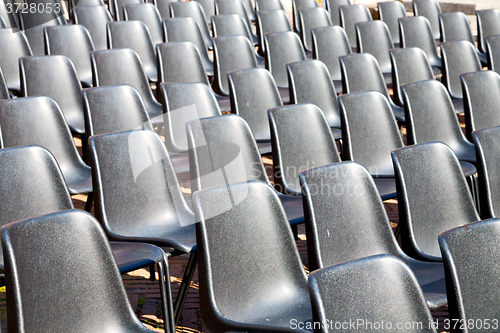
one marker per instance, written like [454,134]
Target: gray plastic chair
[149,15]
[433,197]
[408,65]
[107,68]
[33,23]
[249,9]
[270,292]
[298,4]
[349,16]
[429,9]
[74,3]
[281,49]
[55,76]
[94,18]
[470,252]
[310,82]
[339,219]
[185,29]
[379,289]
[301,139]
[138,198]
[9,56]
[4,90]
[373,37]
[311,18]
[225,145]
[493,52]
[74,42]
[329,43]
[416,32]
[208,8]
[360,72]
[270,21]
[10,18]
[226,7]
[231,53]
[134,35]
[192,9]
[117,8]
[333,8]
[488,24]
[266,5]
[481,92]
[230,25]
[390,12]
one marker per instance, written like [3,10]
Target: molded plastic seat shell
[390,12]
[94,18]
[373,37]
[430,9]
[416,32]
[195,10]
[298,4]
[488,24]
[312,18]
[271,21]
[349,16]
[9,56]
[333,8]
[149,15]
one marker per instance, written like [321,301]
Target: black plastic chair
[149,15]
[298,4]
[236,299]
[329,43]
[373,37]
[192,9]
[493,52]
[266,5]
[94,18]
[226,7]
[301,139]
[230,25]
[408,65]
[249,9]
[311,18]
[10,18]
[333,8]
[91,276]
[379,289]
[138,198]
[74,42]
[342,210]
[9,56]
[416,32]
[310,82]
[270,21]
[488,24]
[433,197]
[282,48]
[55,76]
[231,53]
[481,92]
[185,29]
[390,12]
[134,35]
[360,72]
[429,9]
[107,69]
[486,143]
[471,253]
[33,23]
[116,7]
[349,16]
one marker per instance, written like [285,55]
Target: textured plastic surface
[207,5]
[226,7]
[488,24]
[230,25]
[272,289]
[493,52]
[271,21]
[333,8]
[429,9]
[312,18]
[149,15]
[432,196]
[298,4]
[349,16]
[94,18]
[377,289]
[373,37]
[192,9]
[33,24]
[416,32]
[9,56]
[266,5]
[390,12]
[4,90]
[117,8]
[329,43]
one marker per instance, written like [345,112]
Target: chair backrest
[135,185]
[9,56]
[333,8]
[469,252]
[271,21]
[493,52]
[254,211]
[481,92]
[486,142]
[134,35]
[94,18]
[454,27]
[231,53]
[253,92]
[184,102]
[223,145]
[10,17]
[54,76]
[429,9]
[91,275]
[4,90]
[349,16]
[114,109]
[298,4]
[433,196]
[208,8]
[225,7]
[390,12]
[74,3]
[249,9]
[408,65]
[230,25]
[380,289]
[310,82]
[311,18]
[281,49]
[266,5]
[192,9]
[488,24]
[458,58]
[360,72]
[329,43]
[416,32]
[301,139]
[74,42]
[33,23]
[373,37]
[369,131]
[180,62]
[118,6]
[149,15]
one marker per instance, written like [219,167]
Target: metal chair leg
[184,288]
[166,296]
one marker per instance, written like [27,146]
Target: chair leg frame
[166,295]
[184,288]
[89,202]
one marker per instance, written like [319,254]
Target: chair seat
[337,133]
[399,113]
[131,256]
[80,182]
[293,207]
[224,102]
[180,162]
[264,147]
[458,104]
[482,57]
[77,123]
[386,187]
[285,95]
[468,168]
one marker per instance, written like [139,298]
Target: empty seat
[208,8]
[149,15]
[32,23]
[117,8]
[333,8]
[349,16]
[225,7]
[9,56]
[192,9]
[230,25]
[493,52]
[271,21]
[311,18]
[94,18]
[265,5]
[429,9]
[488,24]
[298,4]
[373,37]
[390,12]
